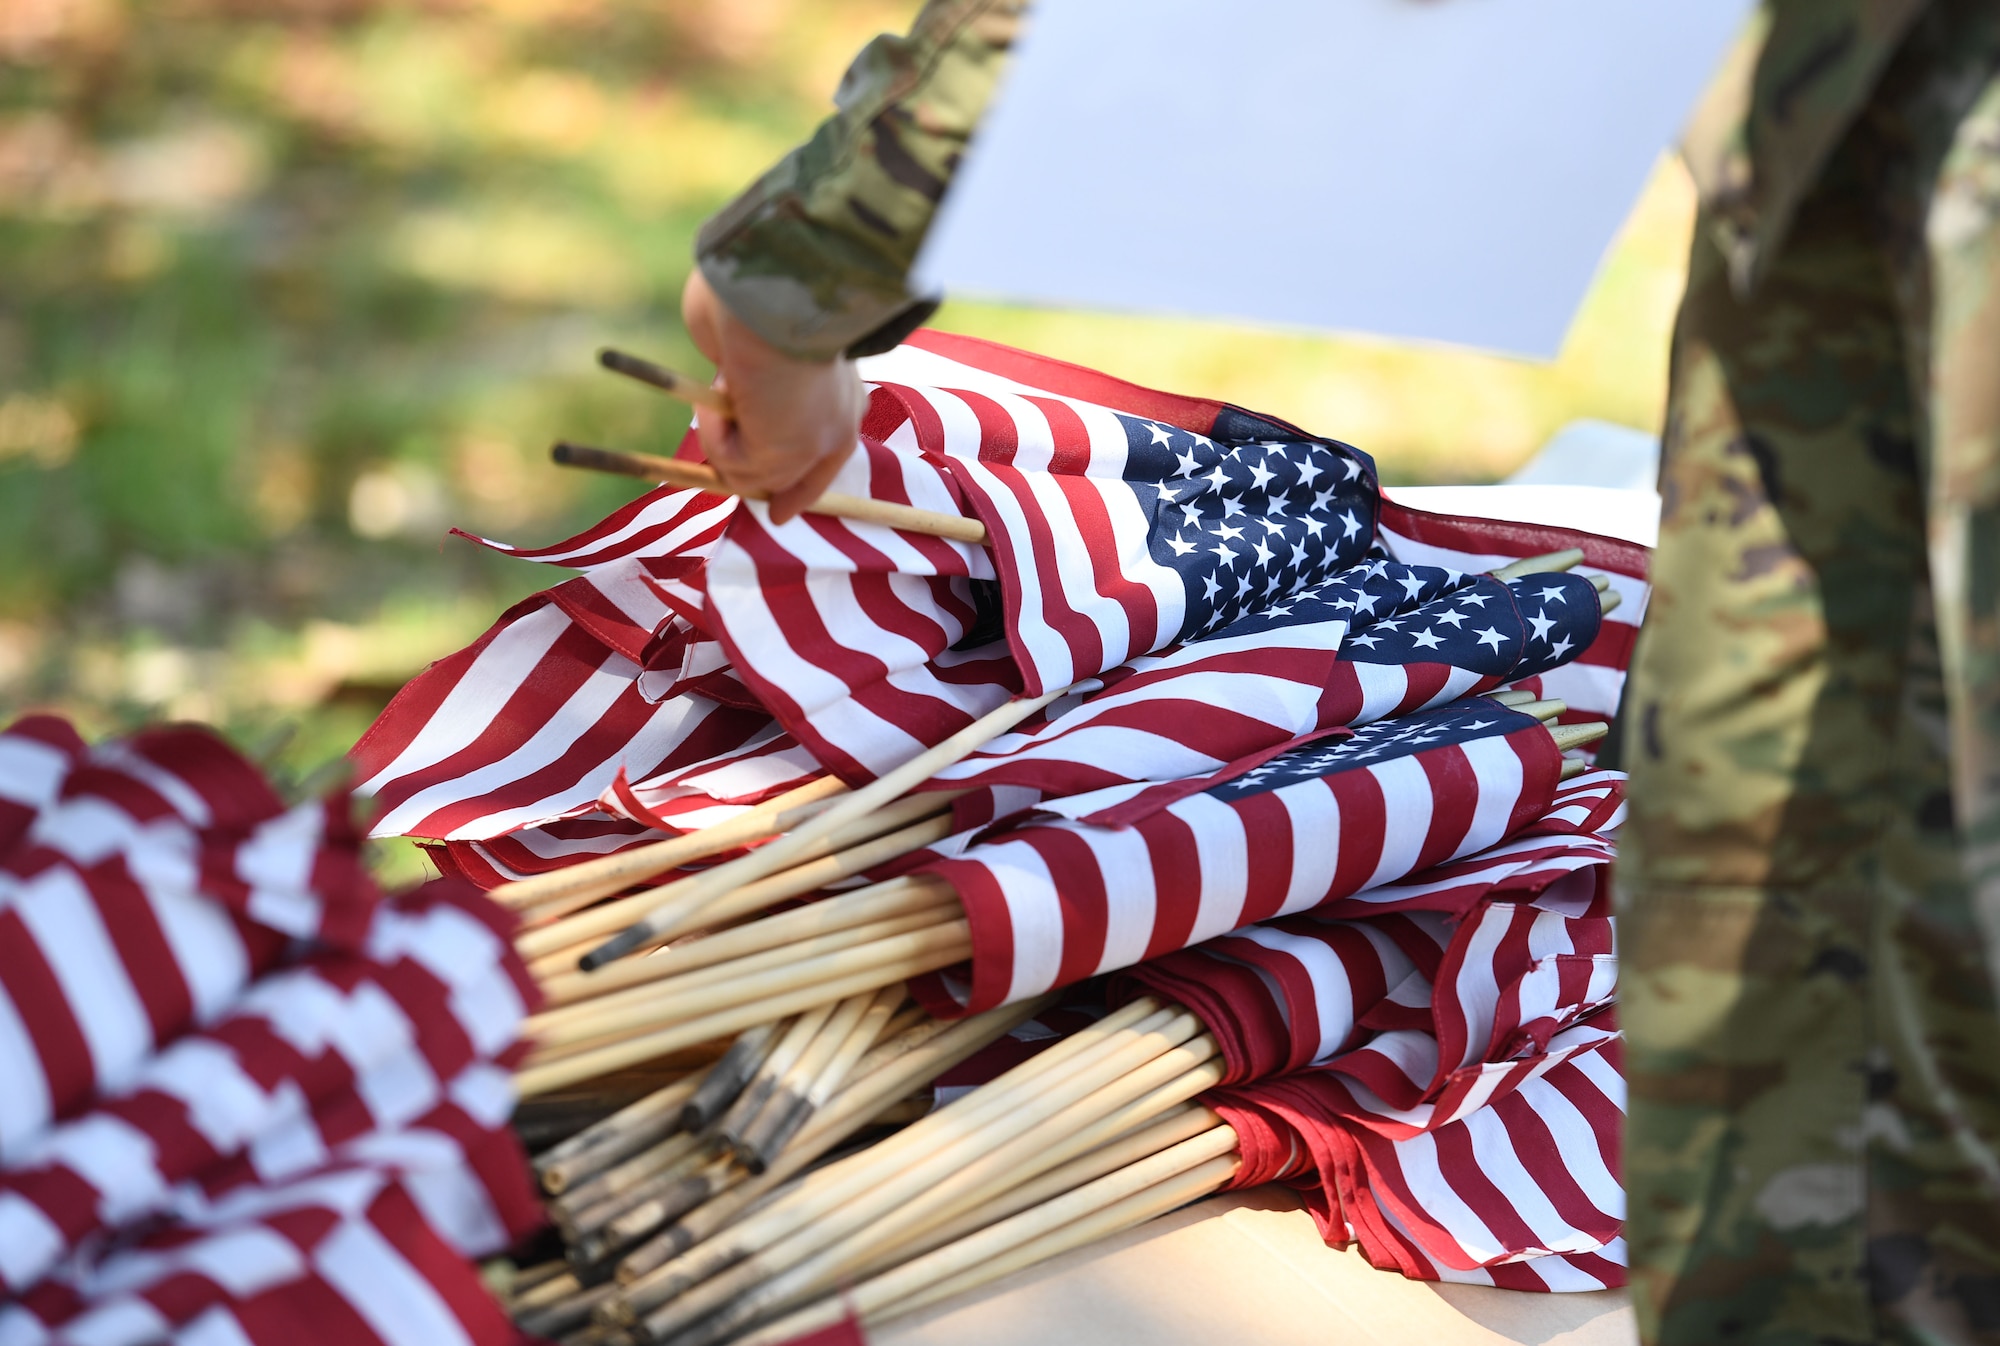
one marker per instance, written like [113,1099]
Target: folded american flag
[1300,990]
[1113,534]
[220,1026]
[146,882]
[1437,1069]
[335,1050]
[570,687]
[1592,682]
[868,644]
[527,725]
[1485,1145]
[1377,641]
[1131,872]
[344,1257]
[1522,1192]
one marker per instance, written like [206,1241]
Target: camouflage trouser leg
[1814,1051]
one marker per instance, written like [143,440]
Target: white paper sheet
[1447,170]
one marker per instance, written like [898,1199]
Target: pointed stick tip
[628,940]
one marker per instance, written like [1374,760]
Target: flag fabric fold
[1521,1193]
[1378,641]
[530,723]
[537,717]
[1436,1070]
[1121,875]
[252,1030]
[345,1257]
[149,880]
[335,1047]
[1589,683]
[1111,535]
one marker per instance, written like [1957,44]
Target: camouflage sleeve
[815,257]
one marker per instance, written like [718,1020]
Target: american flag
[571,686]
[344,1257]
[1444,1082]
[1522,1192]
[243,1096]
[1288,993]
[530,723]
[334,1051]
[145,883]
[1499,1166]
[1593,681]
[1377,641]
[1477,1147]
[542,849]
[1131,872]
[1113,534]
[865,643]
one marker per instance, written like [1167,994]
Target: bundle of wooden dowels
[1095,1134]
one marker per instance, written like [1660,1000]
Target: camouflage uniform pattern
[1807,981]
[814,257]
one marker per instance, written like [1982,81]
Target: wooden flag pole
[1058,1145]
[582,1205]
[815,865]
[617,1137]
[700,477]
[1127,1143]
[540,1076]
[1569,736]
[1146,1166]
[978,1172]
[794,1044]
[559,1319]
[790,1231]
[727,1079]
[693,391]
[765,1128]
[792,846]
[647,1276]
[877,908]
[665,1006]
[662,1280]
[1134,1210]
[1548,563]
[601,877]
[864,937]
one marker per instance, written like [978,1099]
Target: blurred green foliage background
[288,287]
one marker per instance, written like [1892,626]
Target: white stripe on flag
[385,1290]
[468,709]
[69,930]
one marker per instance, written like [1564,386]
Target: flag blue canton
[1460,722]
[1561,615]
[1248,522]
[1357,597]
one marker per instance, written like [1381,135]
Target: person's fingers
[721,447]
[791,501]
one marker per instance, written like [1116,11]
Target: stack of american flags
[1287,767]
[244,1097]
